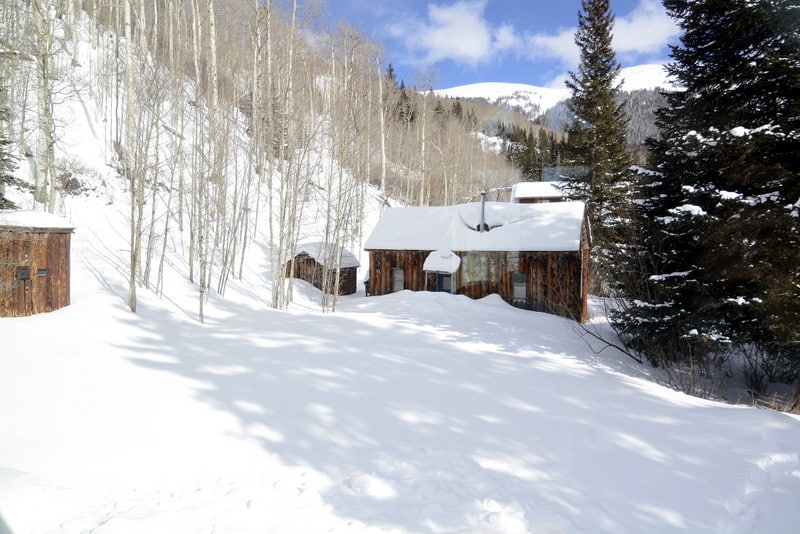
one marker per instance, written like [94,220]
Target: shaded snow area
[408,413]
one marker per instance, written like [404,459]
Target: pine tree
[597,138]
[720,256]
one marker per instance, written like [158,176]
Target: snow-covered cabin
[313,261]
[34,262]
[537,192]
[535,256]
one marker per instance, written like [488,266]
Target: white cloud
[560,46]
[645,30]
[458,32]
[462,33]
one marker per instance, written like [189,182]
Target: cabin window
[520,287]
[444,282]
[42,272]
[398,279]
[23,273]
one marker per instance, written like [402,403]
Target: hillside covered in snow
[535,101]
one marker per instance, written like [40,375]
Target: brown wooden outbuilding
[537,192]
[34,263]
[535,256]
[312,262]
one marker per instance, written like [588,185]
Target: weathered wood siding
[381,263]
[556,282]
[46,255]
[308,269]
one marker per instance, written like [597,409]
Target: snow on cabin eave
[34,220]
[441,261]
[323,253]
[550,227]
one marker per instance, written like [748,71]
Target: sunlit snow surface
[408,413]
[413,412]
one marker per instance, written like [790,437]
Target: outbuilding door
[398,279]
[23,292]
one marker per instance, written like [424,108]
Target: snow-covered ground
[408,413]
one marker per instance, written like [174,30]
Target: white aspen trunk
[382,117]
[422,146]
[288,171]
[44,150]
[196,174]
[125,152]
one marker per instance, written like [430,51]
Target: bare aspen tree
[178,122]
[123,149]
[286,166]
[382,117]
[45,157]
[206,223]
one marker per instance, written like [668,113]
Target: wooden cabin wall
[381,263]
[46,254]
[483,273]
[348,280]
[555,283]
[308,269]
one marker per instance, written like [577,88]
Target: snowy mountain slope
[409,413]
[534,101]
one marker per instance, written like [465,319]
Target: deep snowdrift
[413,412]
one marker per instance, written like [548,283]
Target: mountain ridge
[535,100]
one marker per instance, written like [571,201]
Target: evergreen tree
[597,138]
[720,255]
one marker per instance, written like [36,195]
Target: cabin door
[398,279]
[23,291]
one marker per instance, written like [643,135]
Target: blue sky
[457,42]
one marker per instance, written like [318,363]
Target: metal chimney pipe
[483,211]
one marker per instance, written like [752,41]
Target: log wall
[46,256]
[381,263]
[308,269]
[556,282]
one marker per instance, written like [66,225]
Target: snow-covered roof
[516,227]
[441,261]
[536,190]
[323,253]
[33,219]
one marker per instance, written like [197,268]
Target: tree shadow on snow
[433,416]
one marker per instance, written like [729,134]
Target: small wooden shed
[535,256]
[312,262]
[537,192]
[34,263]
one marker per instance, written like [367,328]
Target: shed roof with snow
[553,227]
[33,219]
[325,254]
[532,191]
